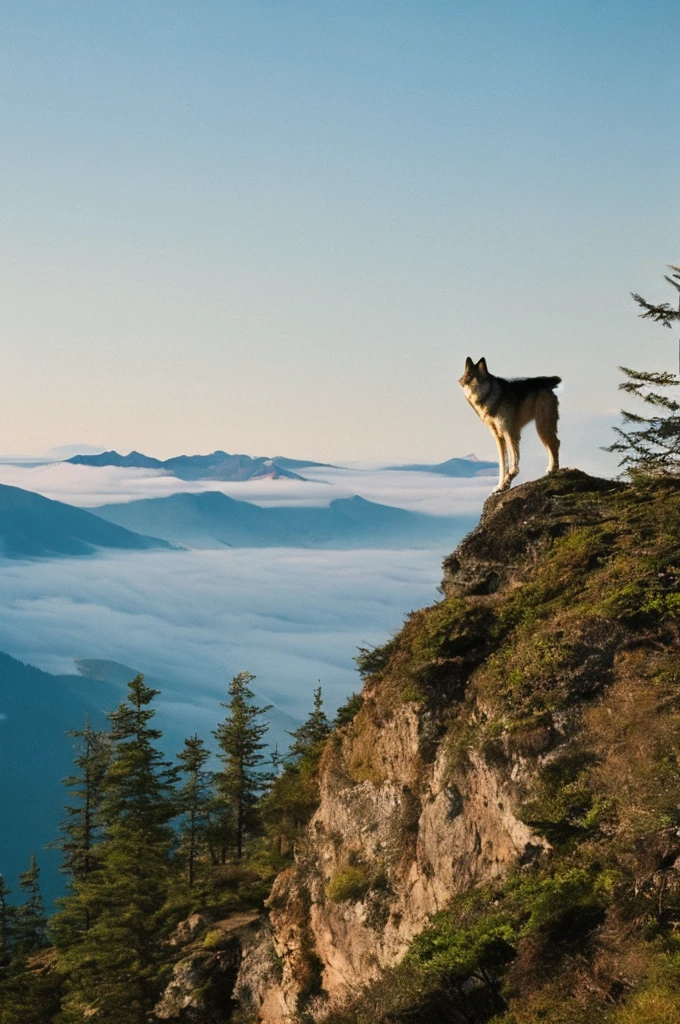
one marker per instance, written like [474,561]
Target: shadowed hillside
[37,709]
[212,519]
[32,526]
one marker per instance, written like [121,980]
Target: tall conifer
[240,782]
[294,793]
[81,832]
[29,994]
[194,802]
[313,732]
[30,918]
[113,972]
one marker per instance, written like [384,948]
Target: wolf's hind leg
[503,479]
[546,425]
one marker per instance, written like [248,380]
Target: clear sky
[278,227]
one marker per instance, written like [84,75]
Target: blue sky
[280,227]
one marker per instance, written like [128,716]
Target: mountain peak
[218,465]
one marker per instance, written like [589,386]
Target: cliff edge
[498,832]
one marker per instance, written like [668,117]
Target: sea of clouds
[195,618]
[293,617]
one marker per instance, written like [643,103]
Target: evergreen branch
[661,314]
[640,378]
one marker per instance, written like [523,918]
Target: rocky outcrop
[517,526]
[513,765]
[209,956]
[425,793]
[381,856]
[410,814]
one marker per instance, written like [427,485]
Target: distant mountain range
[36,710]
[469,466]
[32,526]
[212,519]
[218,465]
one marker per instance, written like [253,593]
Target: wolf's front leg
[503,480]
[512,445]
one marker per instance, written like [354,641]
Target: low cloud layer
[89,486]
[196,618]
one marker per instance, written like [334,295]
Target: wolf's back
[523,387]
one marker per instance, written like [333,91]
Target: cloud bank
[196,618]
[89,486]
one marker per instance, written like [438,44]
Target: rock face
[205,971]
[409,840]
[410,814]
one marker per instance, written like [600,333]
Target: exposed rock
[187,931]
[419,839]
[203,978]
[516,526]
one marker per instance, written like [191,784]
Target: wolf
[508,405]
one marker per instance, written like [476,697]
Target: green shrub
[351,884]
[374,659]
[456,953]
[348,712]
[412,693]
[214,939]
[651,1006]
[449,628]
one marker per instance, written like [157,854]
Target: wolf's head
[475,379]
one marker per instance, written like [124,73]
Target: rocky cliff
[517,740]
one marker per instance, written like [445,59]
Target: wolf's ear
[481,366]
[468,365]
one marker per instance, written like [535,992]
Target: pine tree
[194,803]
[30,918]
[113,971]
[29,987]
[241,780]
[314,732]
[81,830]
[651,444]
[294,792]
[31,991]
[664,313]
